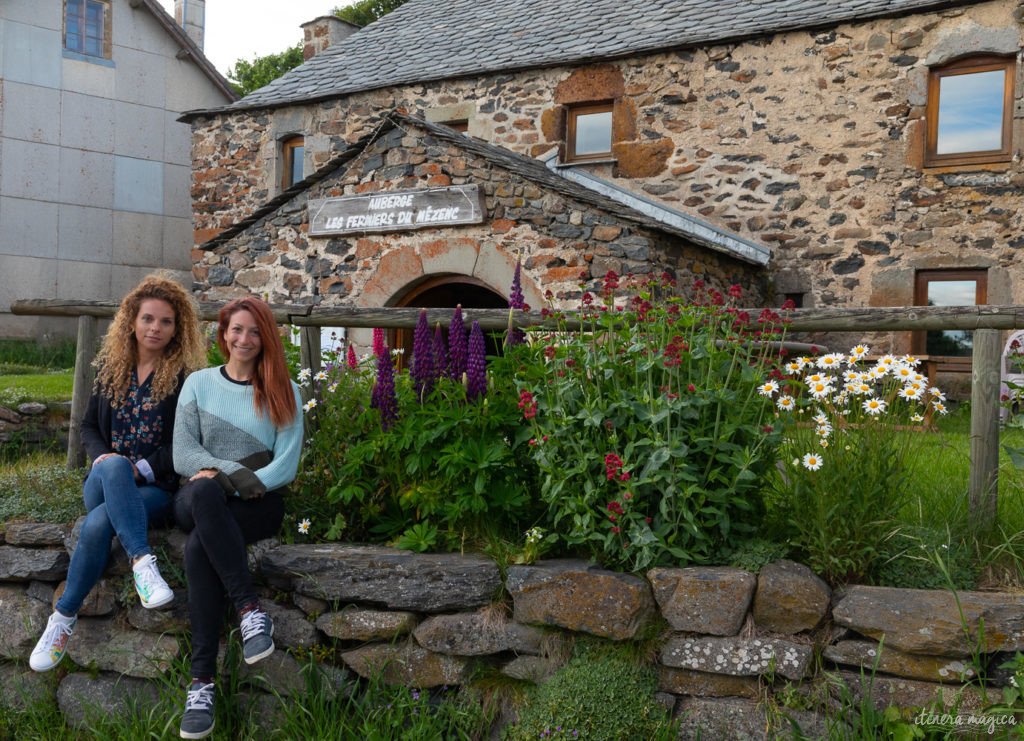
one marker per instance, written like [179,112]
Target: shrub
[842,476]
[41,493]
[647,426]
[601,693]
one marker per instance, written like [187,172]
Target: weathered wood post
[84,354]
[309,353]
[985,383]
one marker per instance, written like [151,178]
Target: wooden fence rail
[987,321]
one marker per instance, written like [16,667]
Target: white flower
[794,366]
[850,376]
[887,359]
[821,418]
[769,388]
[321,376]
[820,390]
[861,388]
[304,527]
[309,405]
[909,360]
[824,430]
[941,408]
[816,378]
[305,374]
[909,392]
[874,406]
[917,418]
[832,360]
[332,388]
[858,352]
[786,403]
[796,462]
[533,535]
[936,393]
[903,372]
[812,462]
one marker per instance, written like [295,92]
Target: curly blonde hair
[119,354]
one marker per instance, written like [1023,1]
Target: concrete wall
[808,142]
[94,166]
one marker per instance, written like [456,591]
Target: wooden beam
[985,385]
[84,354]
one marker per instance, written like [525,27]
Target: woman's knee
[116,465]
[96,529]
[195,499]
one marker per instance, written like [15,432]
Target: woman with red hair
[237,437]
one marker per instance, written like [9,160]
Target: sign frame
[396,210]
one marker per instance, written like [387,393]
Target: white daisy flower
[936,393]
[332,388]
[820,390]
[874,406]
[940,408]
[910,360]
[824,430]
[786,403]
[816,378]
[832,360]
[861,389]
[304,526]
[887,359]
[910,393]
[821,418]
[858,352]
[309,404]
[850,376]
[903,372]
[767,389]
[794,366]
[917,418]
[812,461]
[321,376]
[305,374]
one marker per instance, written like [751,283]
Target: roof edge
[189,47]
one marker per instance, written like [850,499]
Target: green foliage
[42,387]
[843,475]
[245,77]
[365,12]
[461,466]
[601,693]
[50,355]
[647,426]
[904,561]
[40,493]
[753,554]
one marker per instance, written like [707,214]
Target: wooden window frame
[970,65]
[106,42]
[288,147]
[921,281]
[571,113]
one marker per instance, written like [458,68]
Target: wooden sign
[397,210]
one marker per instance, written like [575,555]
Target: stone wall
[727,639]
[36,423]
[559,237]
[809,142]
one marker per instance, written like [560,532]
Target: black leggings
[216,563]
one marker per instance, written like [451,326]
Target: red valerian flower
[612,465]
[615,529]
[528,405]
[788,304]
[735,291]
[691,388]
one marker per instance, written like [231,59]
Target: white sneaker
[152,589]
[53,643]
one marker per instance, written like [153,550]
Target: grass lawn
[43,387]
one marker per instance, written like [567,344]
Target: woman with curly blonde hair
[152,345]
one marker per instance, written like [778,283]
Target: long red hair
[271,385]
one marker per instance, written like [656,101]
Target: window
[87,27]
[460,126]
[970,112]
[589,132]
[292,150]
[948,288]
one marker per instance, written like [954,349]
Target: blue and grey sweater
[217,426]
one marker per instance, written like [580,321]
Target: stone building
[94,165]
[870,146]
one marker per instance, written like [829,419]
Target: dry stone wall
[727,638]
[809,142]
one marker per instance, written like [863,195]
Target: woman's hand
[205,473]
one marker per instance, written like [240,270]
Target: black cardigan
[96,426]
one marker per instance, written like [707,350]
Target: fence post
[309,354]
[985,384]
[85,351]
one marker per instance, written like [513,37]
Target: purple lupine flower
[350,357]
[383,397]
[457,346]
[516,300]
[440,352]
[422,371]
[476,364]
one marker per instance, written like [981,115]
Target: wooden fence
[986,321]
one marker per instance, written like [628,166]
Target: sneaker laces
[253,623]
[200,698]
[146,571]
[56,634]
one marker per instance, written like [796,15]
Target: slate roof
[440,39]
[527,167]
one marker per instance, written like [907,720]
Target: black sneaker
[257,629]
[197,721]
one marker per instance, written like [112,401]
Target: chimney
[191,16]
[319,33]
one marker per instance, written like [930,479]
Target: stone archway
[447,291]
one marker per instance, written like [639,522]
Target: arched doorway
[448,291]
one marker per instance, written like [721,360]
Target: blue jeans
[115,504]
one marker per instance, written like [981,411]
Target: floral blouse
[136,425]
